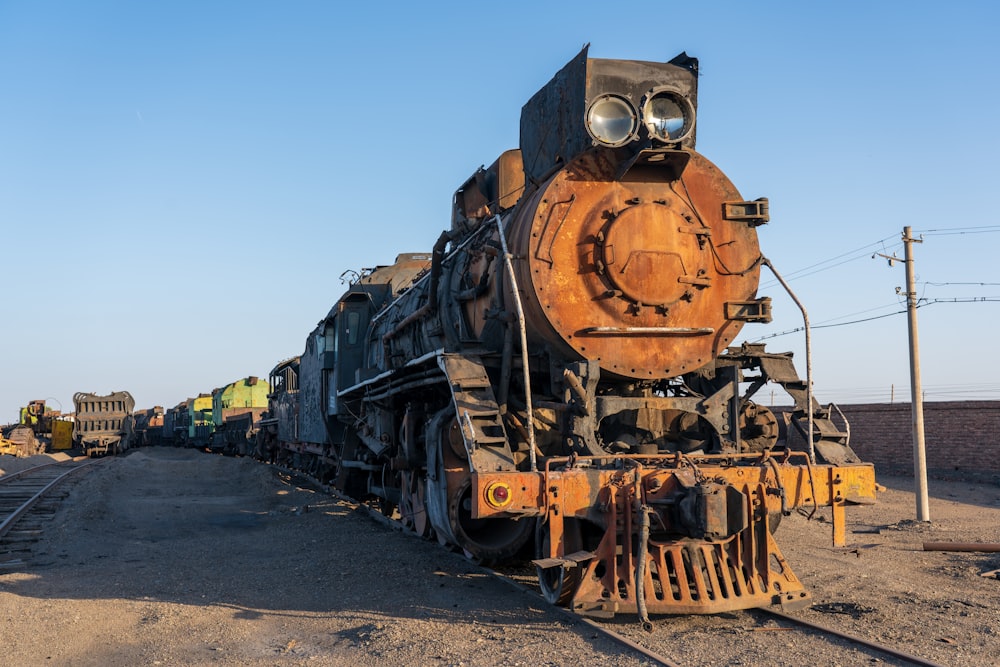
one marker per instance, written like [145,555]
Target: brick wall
[961,438]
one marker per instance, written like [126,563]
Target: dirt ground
[174,557]
[11,464]
[883,586]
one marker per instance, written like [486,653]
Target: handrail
[809,384]
[847,424]
[524,345]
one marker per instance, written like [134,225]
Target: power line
[920,304]
[828,326]
[894,393]
[944,284]
[865,250]
[962,299]
[954,231]
[900,393]
[857,312]
[849,256]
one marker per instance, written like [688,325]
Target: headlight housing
[668,117]
[612,120]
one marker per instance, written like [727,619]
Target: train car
[236,408]
[62,434]
[562,372]
[193,423]
[103,424]
[334,351]
[172,420]
[238,434]
[277,436]
[149,426]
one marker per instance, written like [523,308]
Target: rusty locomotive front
[559,373]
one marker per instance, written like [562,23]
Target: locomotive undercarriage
[670,488]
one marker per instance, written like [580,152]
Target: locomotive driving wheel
[413,505]
[386,506]
[558,584]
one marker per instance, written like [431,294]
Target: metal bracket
[758,310]
[755,212]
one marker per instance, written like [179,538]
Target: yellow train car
[62,434]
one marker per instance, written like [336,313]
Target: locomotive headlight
[612,120]
[668,116]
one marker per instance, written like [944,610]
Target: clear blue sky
[182,183]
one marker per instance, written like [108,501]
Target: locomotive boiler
[559,374]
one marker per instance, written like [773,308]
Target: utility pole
[916,391]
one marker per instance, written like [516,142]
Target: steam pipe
[429,308]
[642,514]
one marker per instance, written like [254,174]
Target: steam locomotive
[557,373]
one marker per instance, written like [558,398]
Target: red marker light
[498,495]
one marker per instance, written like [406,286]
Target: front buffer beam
[693,534]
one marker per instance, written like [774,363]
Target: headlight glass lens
[612,120]
[667,117]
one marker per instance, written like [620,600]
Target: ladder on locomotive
[478,413]
[829,441]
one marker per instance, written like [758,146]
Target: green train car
[197,424]
[236,408]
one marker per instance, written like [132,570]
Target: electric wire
[844,258]
[865,251]
[955,231]
[920,304]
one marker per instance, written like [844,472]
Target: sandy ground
[10,464]
[883,586]
[174,557]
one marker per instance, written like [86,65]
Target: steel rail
[888,650]
[11,476]
[573,616]
[374,514]
[657,658]
[14,516]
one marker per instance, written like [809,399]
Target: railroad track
[906,658]
[660,647]
[28,499]
[799,632]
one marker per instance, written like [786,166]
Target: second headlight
[668,116]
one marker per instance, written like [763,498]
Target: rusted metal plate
[717,558]
[635,275]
